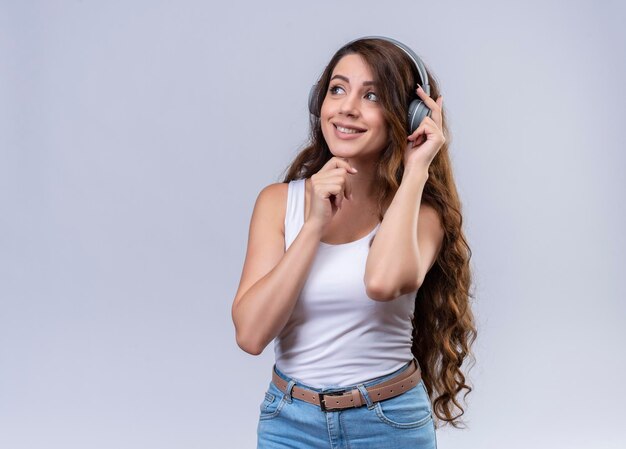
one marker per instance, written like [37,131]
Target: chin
[338,151]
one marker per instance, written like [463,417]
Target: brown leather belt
[395,386]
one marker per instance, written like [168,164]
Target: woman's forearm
[265,308]
[392,266]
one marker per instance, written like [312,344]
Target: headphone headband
[410,53]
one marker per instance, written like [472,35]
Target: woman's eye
[372,94]
[333,89]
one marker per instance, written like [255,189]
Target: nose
[349,105]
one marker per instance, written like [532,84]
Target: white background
[136,135]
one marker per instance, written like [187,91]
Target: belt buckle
[321,398]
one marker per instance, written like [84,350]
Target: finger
[428,130]
[347,189]
[422,129]
[348,168]
[337,192]
[427,123]
[439,114]
[335,162]
[426,98]
[423,132]
[434,106]
[417,142]
[339,185]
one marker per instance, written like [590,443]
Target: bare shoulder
[429,210]
[273,201]
[430,220]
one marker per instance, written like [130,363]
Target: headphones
[417,109]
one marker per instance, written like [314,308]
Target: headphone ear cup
[417,112]
[313,106]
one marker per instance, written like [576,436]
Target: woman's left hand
[428,138]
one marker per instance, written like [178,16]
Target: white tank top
[337,335]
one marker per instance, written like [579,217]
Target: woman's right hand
[329,187]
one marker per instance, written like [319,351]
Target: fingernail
[418,86]
[354,170]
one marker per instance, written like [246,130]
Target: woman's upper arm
[430,238]
[266,237]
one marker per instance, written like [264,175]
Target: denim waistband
[332,388]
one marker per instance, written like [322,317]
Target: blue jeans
[404,421]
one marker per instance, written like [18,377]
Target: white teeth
[347,130]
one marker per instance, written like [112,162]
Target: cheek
[383,130]
[326,130]
[325,108]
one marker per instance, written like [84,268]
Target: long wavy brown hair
[443,323]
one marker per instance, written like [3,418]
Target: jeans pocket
[273,403]
[409,410]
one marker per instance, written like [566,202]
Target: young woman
[357,266]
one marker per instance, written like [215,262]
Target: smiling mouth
[348,130]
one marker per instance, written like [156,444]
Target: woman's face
[352,102]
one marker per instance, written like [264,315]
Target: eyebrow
[365,83]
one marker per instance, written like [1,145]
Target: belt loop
[288,392]
[363,391]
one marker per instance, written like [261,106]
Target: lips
[349,128]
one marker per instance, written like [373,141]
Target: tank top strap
[294,215]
